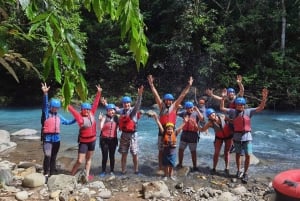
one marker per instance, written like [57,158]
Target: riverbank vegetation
[74,46]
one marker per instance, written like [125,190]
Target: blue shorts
[243,147]
[169,159]
[85,147]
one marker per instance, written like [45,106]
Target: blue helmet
[230,90]
[188,104]
[86,106]
[240,100]
[110,106]
[55,103]
[209,111]
[168,97]
[126,99]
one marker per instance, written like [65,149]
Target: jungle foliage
[118,43]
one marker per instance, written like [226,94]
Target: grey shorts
[128,141]
[192,146]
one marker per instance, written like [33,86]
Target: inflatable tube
[287,185]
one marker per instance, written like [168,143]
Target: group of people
[233,127]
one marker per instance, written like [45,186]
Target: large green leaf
[9,69]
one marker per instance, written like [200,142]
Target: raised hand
[239,79]
[264,93]
[44,88]
[99,88]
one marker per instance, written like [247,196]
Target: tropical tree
[53,23]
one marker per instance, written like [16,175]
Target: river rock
[226,196]
[22,195]
[5,142]
[6,146]
[5,177]
[24,132]
[61,181]
[155,189]
[34,180]
[5,137]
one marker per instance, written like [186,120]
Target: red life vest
[52,124]
[190,126]
[167,116]
[231,105]
[169,140]
[225,132]
[126,124]
[87,132]
[242,123]
[222,130]
[109,129]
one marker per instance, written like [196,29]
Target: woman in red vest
[87,133]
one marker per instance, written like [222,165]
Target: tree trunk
[283,28]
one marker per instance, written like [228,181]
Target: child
[169,145]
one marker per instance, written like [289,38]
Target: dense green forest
[213,41]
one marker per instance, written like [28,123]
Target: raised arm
[97,99]
[179,129]
[183,93]
[222,105]
[200,115]
[263,101]
[101,118]
[155,117]
[210,92]
[45,90]
[138,102]
[154,91]
[76,115]
[241,86]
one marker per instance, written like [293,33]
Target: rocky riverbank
[21,179]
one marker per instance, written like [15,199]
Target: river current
[276,138]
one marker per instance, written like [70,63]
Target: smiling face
[239,107]
[126,105]
[168,102]
[231,95]
[110,112]
[212,116]
[85,112]
[169,130]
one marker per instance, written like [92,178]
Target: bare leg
[246,163]
[88,162]
[228,144]
[194,158]
[180,157]
[238,161]
[170,171]
[80,159]
[135,162]
[123,162]
[160,158]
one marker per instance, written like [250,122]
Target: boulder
[25,132]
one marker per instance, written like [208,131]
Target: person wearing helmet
[222,134]
[128,120]
[167,111]
[189,136]
[108,125]
[87,134]
[50,132]
[169,145]
[242,136]
[229,93]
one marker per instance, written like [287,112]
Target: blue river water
[276,138]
